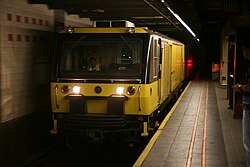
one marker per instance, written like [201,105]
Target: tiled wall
[26,50]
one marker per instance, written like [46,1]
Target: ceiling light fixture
[164,16]
[183,23]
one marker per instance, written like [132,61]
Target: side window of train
[154,60]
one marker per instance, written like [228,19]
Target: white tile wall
[74,20]
[26,48]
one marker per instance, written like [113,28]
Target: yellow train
[114,81]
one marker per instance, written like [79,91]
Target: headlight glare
[120,90]
[131,30]
[70,30]
[76,89]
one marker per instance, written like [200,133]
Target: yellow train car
[114,81]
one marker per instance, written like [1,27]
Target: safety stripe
[145,152]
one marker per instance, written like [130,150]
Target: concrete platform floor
[200,132]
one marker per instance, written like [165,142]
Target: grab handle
[139,97]
[56,95]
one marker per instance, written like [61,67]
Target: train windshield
[93,56]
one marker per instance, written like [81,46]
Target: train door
[177,70]
[159,48]
[154,66]
[170,68]
[157,65]
[165,79]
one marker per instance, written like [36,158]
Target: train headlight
[131,30]
[76,89]
[70,30]
[120,90]
[131,90]
[65,89]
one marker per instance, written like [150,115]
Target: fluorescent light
[182,22]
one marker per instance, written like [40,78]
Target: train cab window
[102,57]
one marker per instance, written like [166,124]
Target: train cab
[113,80]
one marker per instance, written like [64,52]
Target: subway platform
[198,131]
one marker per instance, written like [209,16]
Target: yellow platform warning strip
[145,152]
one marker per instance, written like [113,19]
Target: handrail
[56,96]
[139,97]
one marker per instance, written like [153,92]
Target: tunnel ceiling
[201,15]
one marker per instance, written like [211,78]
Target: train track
[57,154]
